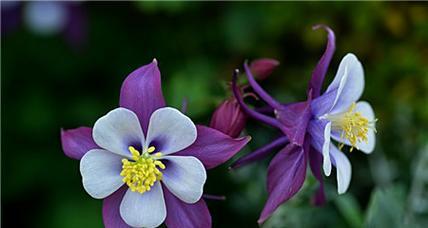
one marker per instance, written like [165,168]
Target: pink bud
[262,68]
[229,118]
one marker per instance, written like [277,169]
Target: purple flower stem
[260,153]
[213,197]
[265,110]
[259,90]
[251,113]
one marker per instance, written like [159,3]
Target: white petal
[118,130]
[343,169]
[349,83]
[326,150]
[144,210]
[171,130]
[100,171]
[320,132]
[366,110]
[185,177]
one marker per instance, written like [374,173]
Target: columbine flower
[147,160]
[307,127]
[339,115]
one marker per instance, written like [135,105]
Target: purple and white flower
[148,161]
[147,169]
[306,128]
[339,115]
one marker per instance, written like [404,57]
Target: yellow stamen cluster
[142,173]
[353,125]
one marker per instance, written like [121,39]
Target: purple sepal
[260,153]
[141,92]
[212,147]
[111,211]
[295,119]
[262,68]
[286,174]
[321,69]
[229,118]
[76,142]
[180,214]
[315,160]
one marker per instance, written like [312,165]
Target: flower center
[353,125]
[142,173]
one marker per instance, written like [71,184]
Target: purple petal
[111,213]
[315,160]
[321,69]
[262,68]
[286,174]
[180,214]
[141,92]
[295,119]
[76,142]
[259,153]
[212,147]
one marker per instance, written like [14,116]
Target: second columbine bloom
[339,115]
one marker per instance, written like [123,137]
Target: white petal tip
[327,172]
[155,61]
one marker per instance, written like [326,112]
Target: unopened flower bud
[262,68]
[229,118]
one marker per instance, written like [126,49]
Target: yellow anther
[158,154]
[133,151]
[353,126]
[160,164]
[151,149]
[141,173]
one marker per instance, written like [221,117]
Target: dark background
[71,75]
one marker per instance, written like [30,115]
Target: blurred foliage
[47,83]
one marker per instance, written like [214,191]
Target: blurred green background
[62,66]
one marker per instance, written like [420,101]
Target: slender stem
[260,153]
[259,90]
[251,113]
[213,197]
[265,110]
